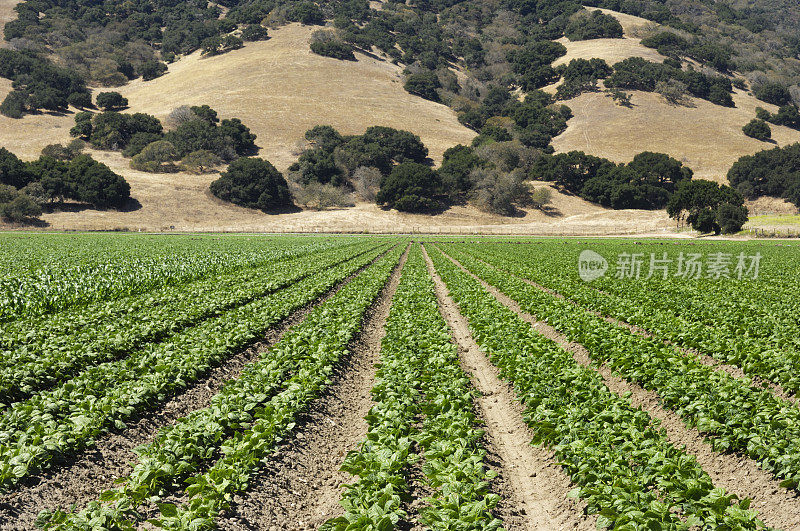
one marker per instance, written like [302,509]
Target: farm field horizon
[246,381]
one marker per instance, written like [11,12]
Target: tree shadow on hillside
[131,205]
[551,211]
[368,53]
[291,209]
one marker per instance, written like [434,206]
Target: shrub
[80,100]
[457,164]
[324,137]
[731,218]
[255,32]
[325,42]
[774,93]
[667,43]
[13,171]
[110,101]
[322,196]
[306,13]
[581,75]
[318,165]
[253,183]
[113,130]
[774,172]
[21,209]
[96,184]
[672,90]
[596,25]
[60,151]
[367,182]
[37,192]
[150,70]
[491,133]
[200,162]
[180,115]
[758,129]
[138,142]
[424,85]
[156,157]
[217,44]
[499,192]
[410,187]
[227,140]
[708,207]
[15,104]
[541,197]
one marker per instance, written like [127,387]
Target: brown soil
[81,478]
[537,498]
[777,507]
[300,488]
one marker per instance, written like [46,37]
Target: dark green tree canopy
[111,101]
[253,183]
[708,206]
[410,187]
[758,129]
[13,171]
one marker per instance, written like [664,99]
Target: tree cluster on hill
[774,172]
[708,207]
[636,73]
[597,25]
[198,138]
[534,121]
[508,44]
[758,129]
[581,75]
[38,84]
[253,183]
[787,116]
[673,45]
[329,44]
[61,173]
[392,168]
[647,182]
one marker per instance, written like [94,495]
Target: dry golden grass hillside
[7,13]
[706,137]
[280,89]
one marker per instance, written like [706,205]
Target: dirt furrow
[300,488]
[705,359]
[777,507]
[81,478]
[534,488]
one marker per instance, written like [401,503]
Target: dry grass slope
[280,90]
[7,13]
[706,137]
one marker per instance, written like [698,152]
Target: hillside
[706,137]
[280,89]
[7,13]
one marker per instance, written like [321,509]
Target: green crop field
[243,382]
